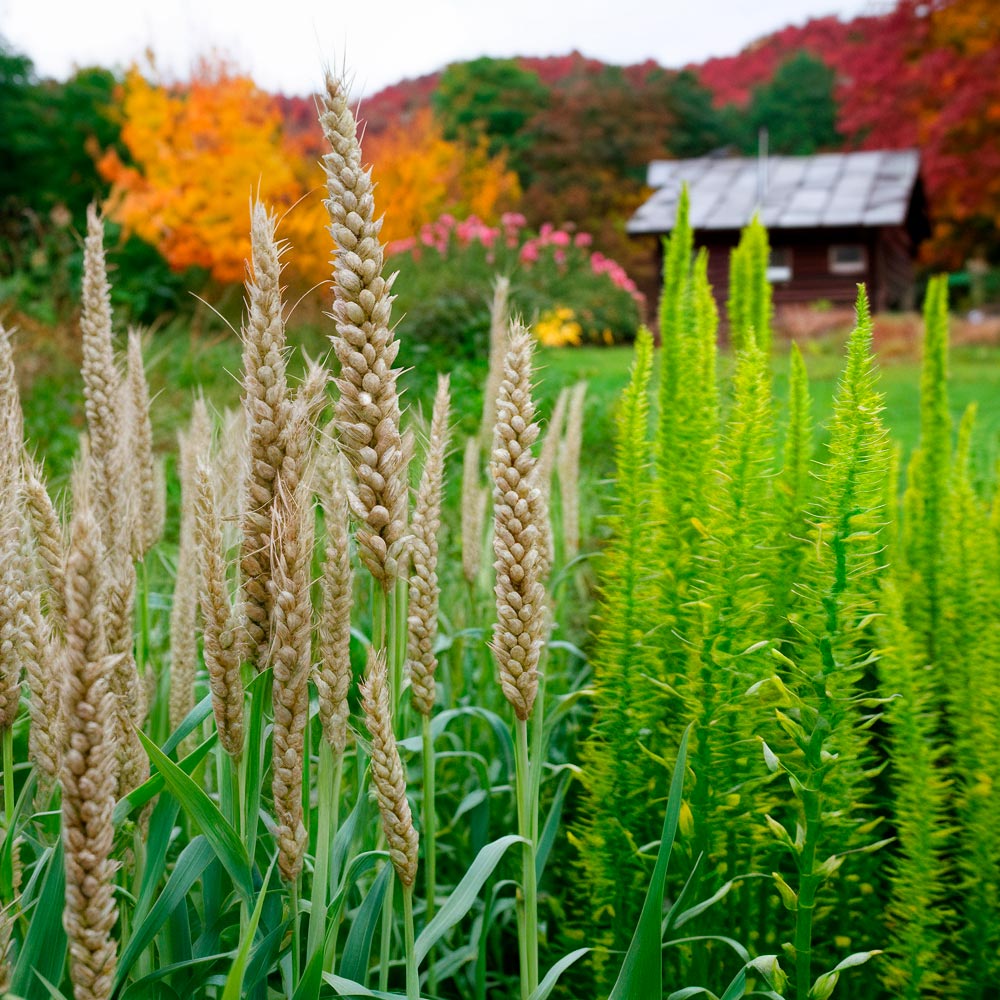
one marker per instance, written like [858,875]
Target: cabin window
[848,258]
[779,265]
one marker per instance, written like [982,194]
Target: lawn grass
[180,365]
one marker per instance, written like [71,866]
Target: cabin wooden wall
[888,275]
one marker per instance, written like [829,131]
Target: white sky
[285,43]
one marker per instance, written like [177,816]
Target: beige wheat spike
[332,675]
[388,775]
[219,627]
[267,410]
[43,663]
[101,381]
[184,612]
[518,512]
[292,548]
[88,769]
[146,529]
[300,431]
[158,515]
[474,500]
[499,331]
[50,543]
[14,588]
[569,471]
[543,477]
[10,400]
[424,589]
[7,918]
[367,410]
[230,468]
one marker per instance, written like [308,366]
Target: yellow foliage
[197,153]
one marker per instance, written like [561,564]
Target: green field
[179,364]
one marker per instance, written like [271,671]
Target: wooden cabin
[834,220]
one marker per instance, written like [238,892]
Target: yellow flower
[558,327]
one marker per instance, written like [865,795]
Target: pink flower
[583,239]
[529,252]
[407,245]
[513,220]
[560,238]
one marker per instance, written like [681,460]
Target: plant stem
[412,975]
[386,945]
[325,807]
[527,823]
[8,777]
[809,882]
[293,900]
[430,838]
[400,626]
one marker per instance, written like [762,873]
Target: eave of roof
[871,188]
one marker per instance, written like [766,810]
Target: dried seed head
[146,527]
[43,661]
[332,675]
[543,477]
[10,401]
[367,411]
[267,411]
[388,776]
[50,545]
[499,327]
[14,593]
[424,590]
[291,559]
[101,383]
[222,655]
[520,596]
[184,613]
[474,500]
[88,769]
[569,471]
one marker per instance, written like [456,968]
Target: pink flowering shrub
[449,268]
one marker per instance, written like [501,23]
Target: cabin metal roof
[871,188]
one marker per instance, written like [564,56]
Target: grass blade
[193,860]
[357,950]
[234,981]
[44,948]
[206,814]
[642,971]
[464,894]
[547,985]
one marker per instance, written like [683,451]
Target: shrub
[447,273]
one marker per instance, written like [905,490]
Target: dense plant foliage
[814,630]
[447,273]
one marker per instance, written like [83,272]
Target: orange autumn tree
[198,152]
[422,176]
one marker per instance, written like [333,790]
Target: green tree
[696,126]
[490,99]
[797,108]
